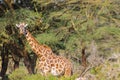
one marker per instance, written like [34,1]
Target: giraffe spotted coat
[48,62]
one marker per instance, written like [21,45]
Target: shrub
[21,74]
[18,74]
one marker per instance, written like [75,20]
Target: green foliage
[90,20]
[95,70]
[47,38]
[93,22]
[49,77]
[18,74]
[67,25]
[106,71]
[39,77]
[23,15]
[105,32]
[34,77]
[3,38]
[72,42]
[73,77]
[50,39]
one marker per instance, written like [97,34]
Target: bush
[34,77]
[21,74]
[18,74]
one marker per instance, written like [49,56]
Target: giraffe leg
[68,72]
[43,70]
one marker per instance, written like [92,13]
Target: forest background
[68,27]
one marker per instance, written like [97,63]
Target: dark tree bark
[27,62]
[84,58]
[4,57]
[17,53]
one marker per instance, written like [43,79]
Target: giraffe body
[48,62]
[56,65]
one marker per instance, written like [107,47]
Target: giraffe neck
[39,49]
[33,43]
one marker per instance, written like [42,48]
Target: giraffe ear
[17,25]
[26,25]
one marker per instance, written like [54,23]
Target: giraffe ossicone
[48,62]
[22,24]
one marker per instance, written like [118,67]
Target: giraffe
[48,62]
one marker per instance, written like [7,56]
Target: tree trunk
[28,63]
[4,57]
[84,58]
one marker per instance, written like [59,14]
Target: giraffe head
[22,27]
